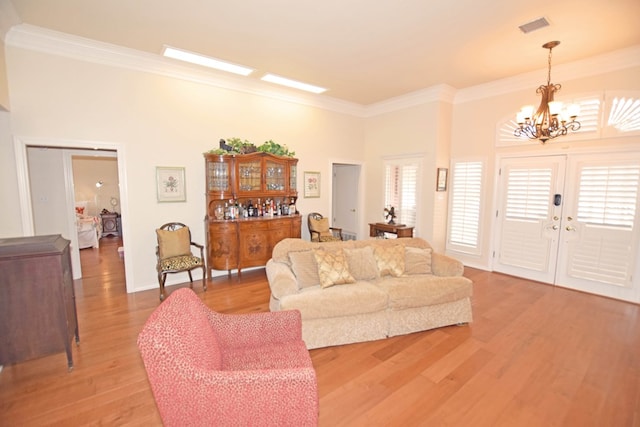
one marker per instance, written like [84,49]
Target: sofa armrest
[282,281]
[256,329]
[445,266]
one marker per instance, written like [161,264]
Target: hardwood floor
[535,355]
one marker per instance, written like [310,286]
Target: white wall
[11,223]
[88,170]
[163,121]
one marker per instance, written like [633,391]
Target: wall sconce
[99,184]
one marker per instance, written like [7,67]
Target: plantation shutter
[607,200]
[401,187]
[464,216]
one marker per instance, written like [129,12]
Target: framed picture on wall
[170,184]
[312,184]
[441,180]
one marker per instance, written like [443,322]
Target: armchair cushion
[173,243]
[321,226]
[177,263]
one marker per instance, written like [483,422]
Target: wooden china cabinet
[238,236]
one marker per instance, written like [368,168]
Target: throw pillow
[332,268]
[174,243]
[390,260]
[322,227]
[305,268]
[417,260]
[362,263]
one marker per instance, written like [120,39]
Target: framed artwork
[441,181]
[311,184]
[170,184]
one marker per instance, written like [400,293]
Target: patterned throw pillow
[417,260]
[390,260]
[333,268]
[174,243]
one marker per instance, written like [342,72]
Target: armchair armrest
[199,246]
[255,329]
[336,230]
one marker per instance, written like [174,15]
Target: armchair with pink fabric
[209,368]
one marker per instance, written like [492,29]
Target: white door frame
[24,188]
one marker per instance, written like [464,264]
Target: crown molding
[47,41]
[51,42]
[439,93]
[612,61]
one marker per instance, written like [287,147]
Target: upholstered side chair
[174,254]
[320,230]
[212,369]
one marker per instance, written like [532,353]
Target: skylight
[194,58]
[272,78]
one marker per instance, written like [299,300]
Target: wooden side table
[379,228]
[110,224]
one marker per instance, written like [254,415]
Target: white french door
[571,220]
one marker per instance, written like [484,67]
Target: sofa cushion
[332,268]
[422,290]
[417,260]
[305,268]
[390,260]
[336,301]
[362,263]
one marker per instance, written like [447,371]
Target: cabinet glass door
[275,175]
[218,176]
[293,178]
[249,176]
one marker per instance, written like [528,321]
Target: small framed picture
[441,180]
[170,184]
[312,184]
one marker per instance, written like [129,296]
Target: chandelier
[551,119]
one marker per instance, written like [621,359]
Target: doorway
[345,199]
[64,198]
[571,220]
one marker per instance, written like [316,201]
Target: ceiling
[363,51]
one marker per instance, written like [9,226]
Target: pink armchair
[207,368]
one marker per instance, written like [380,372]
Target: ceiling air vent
[534,25]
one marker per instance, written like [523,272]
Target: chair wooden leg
[161,278]
[204,278]
[190,279]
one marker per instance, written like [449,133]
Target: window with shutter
[401,187]
[464,212]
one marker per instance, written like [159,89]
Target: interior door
[345,199]
[529,213]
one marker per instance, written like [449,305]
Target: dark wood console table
[37,299]
[379,228]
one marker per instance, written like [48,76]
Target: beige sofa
[363,290]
